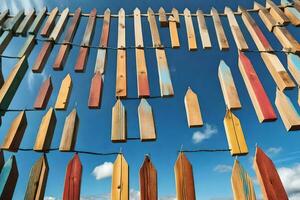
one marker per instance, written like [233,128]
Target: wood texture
[293,61]
[228,87]
[146,121]
[156,43]
[142,74]
[3,16]
[192,109]
[162,17]
[276,12]
[5,38]
[138,33]
[69,134]
[12,24]
[42,57]
[148,180]
[8,178]
[61,57]
[64,93]
[121,29]
[46,131]
[192,42]
[120,179]
[258,96]
[121,76]
[27,47]
[241,183]
[222,40]
[235,135]
[37,21]
[73,179]
[184,178]
[268,177]
[173,33]
[44,94]
[95,91]
[175,14]
[59,27]
[49,24]
[37,179]
[265,16]
[22,29]
[118,127]
[287,41]
[292,13]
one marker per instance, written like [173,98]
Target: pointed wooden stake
[277,13]
[27,21]
[153,29]
[37,21]
[138,33]
[118,130]
[287,41]
[8,178]
[44,94]
[64,93]
[49,25]
[192,109]
[265,16]
[142,74]
[121,29]
[120,179]
[175,14]
[146,121]
[95,91]
[292,13]
[148,180]
[42,57]
[162,17]
[203,30]
[190,30]
[293,61]
[59,25]
[173,33]
[28,46]
[222,40]
[121,76]
[12,24]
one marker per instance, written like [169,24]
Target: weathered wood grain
[265,16]
[148,180]
[142,74]
[27,21]
[44,94]
[49,24]
[146,121]
[37,21]
[222,40]
[59,27]
[5,38]
[64,93]
[121,29]
[27,47]
[138,33]
[173,33]
[192,42]
[192,109]
[121,75]
[42,57]
[120,179]
[156,42]
[162,17]
[8,178]
[293,61]
[292,13]
[118,127]
[277,13]
[12,24]
[287,40]
[95,91]
[175,14]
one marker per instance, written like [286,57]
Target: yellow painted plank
[190,30]
[192,109]
[64,93]
[120,179]
[118,129]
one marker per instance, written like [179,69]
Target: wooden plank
[278,72]
[5,38]
[293,61]
[95,91]
[162,17]
[258,96]
[142,74]
[156,43]
[228,87]
[15,133]
[190,30]
[120,179]
[235,135]
[64,93]
[27,21]
[37,179]
[222,40]
[12,24]
[287,41]
[73,179]
[44,94]
[82,59]
[118,127]
[192,109]
[3,16]
[121,77]
[46,130]
[242,185]
[292,13]
[100,61]
[165,83]
[49,24]
[73,26]
[236,31]
[265,16]
[121,29]
[173,33]
[61,57]
[276,12]
[146,121]
[55,34]
[138,33]
[42,57]
[268,177]
[69,135]
[28,46]
[148,180]
[38,21]
[8,178]
[184,178]
[175,14]
[257,35]
[287,111]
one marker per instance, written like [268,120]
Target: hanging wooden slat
[235,30]
[229,90]
[162,17]
[142,74]
[69,135]
[46,130]
[146,121]
[173,33]
[73,179]
[59,25]
[5,38]
[242,185]
[37,179]
[49,24]
[175,14]
[190,30]
[154,29]
[268,177]
[235,136]
[265,16]
[287,111]
[222,40]
[12,24]
[118,127]
[8,178]
[148,180]
[121,29]
[65,48]
[64,93]
[292,13]
[293,61]
[42,57]
[165,83]
[277,13]
[288,42]
[192,109]
[138,33]
[184,178]
[3,16]
[257,35]
[258,96]
[95,91]
[15,133]
[28,46]
[27,21]
[37,21]
[44,94]
[120,179]
[278,72]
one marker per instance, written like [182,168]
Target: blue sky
[197,69]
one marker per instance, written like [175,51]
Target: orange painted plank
[148,180]
[44,94]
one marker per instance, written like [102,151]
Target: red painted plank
[61,57]
[105,29]
[42,57]
[82,59]
[44,95]
[95,91]
[148,180]
[49,25]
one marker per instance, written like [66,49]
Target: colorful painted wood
[46,131]
[293,61]
[120,179]
[265,16]
[142,74]
[235,30]
[190,30]
[42,57]
[292,13]
[27,21]
[278,72]
[118,127]
[37,21]
[242,185]
[121,29]
[258,96]
[37,179]
[5,38]
[44,94]
[12,24]
[192,109]
[184,178]
[73,179]
[153,29]
[8,178]
[15,133]
[138,33]
[175,14]
[49,24]
[59,27]
[277,13]
[146,121]
[228,87]
[64,93]
[162,17]
[235,135]
[268,177]
[95,91]
[173,33]
[286,39]
[69,135]
[222,40]
[28,46]
[148,180]
[121,76]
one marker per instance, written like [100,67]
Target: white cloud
[223,168]
[49,198]
[134,194]
[103,171]
[207,133]
[171,197]
[32,77]
[290,178]
[274,150]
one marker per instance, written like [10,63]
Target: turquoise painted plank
[37,22]
[294,66]
[8,178]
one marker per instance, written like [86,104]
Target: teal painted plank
[28,46]
[26,23]
[8,178]
[294,66]
[13,24]
[37,22]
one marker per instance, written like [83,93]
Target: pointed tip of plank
[189,90]
[186,10]
[171,19]
[257,6]
[107,10]
[144,103]
[78,10]
[241,9]
[213,10]
[227,9]
[137,10]
[161,9]
[174,9]
[150,10]
[65,10]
